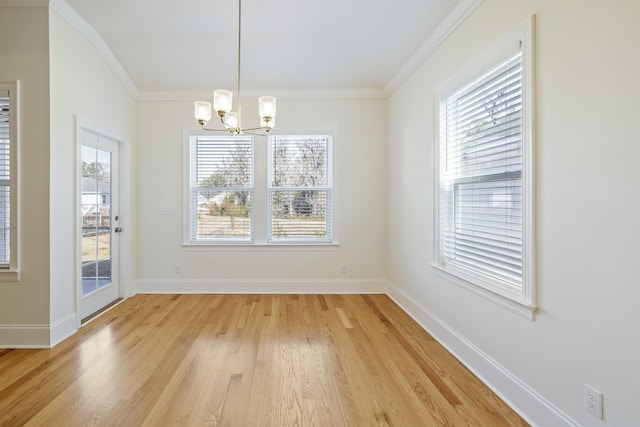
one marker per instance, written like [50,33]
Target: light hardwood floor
[247,360]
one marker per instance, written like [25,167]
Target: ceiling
[189,45]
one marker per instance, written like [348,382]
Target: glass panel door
[98,229]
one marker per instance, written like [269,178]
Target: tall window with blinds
[300,188]
[6,117]
[221,189]
[483,161]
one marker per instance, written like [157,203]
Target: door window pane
[96,219]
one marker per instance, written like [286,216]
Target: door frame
[85,125]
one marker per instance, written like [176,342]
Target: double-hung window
[221,189]
[8,152]
[484,193]
[300,189]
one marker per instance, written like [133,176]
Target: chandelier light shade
[222,100]
[223,104]
[267,106]
[203,112]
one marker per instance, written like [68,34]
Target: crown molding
[455,18]
[450,23]
[69,14]
[371,93]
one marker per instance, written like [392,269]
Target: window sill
[517,306]
[260,247]
[9,276]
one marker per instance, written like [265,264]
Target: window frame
[519,299]
[329,188]
[190,228]
[260,205]
[10,272]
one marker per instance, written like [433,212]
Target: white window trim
[12,273]
[259,242]
[521,301]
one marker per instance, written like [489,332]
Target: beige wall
[61,76]
[24,56]
[587,211]
[82,85]
[359,141]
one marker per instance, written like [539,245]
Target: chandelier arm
[251,132]
[214,129]
[262,128]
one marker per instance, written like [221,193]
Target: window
[8,182]
[300,188]
[221,189]
[288,200]
[8,143]
[484,217]
[5,178]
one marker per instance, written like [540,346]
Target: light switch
[164,210]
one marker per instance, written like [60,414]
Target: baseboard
[63,328]
[37,336]
[531,406]
[24,336]
[262,286]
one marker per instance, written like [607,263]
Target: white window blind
[221,189]
[481,176]
[5,178]
[300,188]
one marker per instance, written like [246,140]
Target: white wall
[587,148]
[24,56]
[82,85]
[588,201]
[360,127]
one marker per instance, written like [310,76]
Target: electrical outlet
[343,268]
[178,269]
[593,401]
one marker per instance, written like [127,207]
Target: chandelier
[223,103]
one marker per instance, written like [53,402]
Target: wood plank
[247,360]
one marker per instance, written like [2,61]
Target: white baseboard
[37,336]
[262,286]
[63,328]
[536,410]
[24,336]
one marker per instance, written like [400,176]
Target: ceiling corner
[450,23]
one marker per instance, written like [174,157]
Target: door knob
[117,229]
